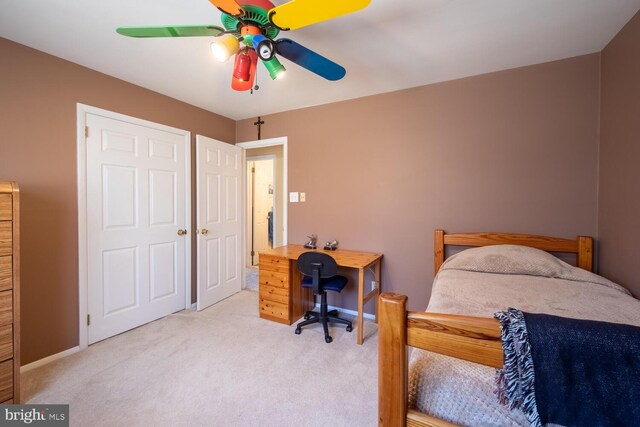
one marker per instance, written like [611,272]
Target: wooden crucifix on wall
[259,123]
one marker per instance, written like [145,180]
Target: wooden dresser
[9,293]
[279,301]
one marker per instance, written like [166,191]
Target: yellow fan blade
[230,7]
[300,13]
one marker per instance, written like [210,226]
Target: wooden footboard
[476,339]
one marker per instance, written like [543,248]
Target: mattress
[481,281]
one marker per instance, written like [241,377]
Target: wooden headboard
[581,246]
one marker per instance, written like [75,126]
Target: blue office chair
[320,274]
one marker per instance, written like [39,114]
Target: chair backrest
[318,265]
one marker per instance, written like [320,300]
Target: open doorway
[261,195]
[255,150]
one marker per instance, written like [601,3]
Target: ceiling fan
[250,29]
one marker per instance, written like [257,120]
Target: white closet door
[136,205]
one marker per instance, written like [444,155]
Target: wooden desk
[284,300]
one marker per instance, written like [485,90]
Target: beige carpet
[251,278]
[223,366]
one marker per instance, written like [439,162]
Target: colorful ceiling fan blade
[230,7]
[300,13]
[310,60]
[172,31]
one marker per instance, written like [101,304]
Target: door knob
[204,231]
[182,232]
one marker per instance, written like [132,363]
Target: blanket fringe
[516,381]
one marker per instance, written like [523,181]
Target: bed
[457,342]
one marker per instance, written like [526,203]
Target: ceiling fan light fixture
[264,47]
[275,68]
[250,33]
[224,48]
[242,66]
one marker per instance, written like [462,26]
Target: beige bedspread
[481,281]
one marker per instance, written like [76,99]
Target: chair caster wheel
[298,331]
[306,316]
[349,328]
[328,339]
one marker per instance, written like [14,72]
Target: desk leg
[379,287]
[359,322]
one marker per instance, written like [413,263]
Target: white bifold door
[136,224]
[219,220]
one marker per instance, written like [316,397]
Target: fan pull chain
[256,87]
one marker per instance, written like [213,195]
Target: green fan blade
[184,31]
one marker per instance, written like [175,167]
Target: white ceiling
[390,45]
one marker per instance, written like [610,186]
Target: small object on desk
[331,246]
[311,244]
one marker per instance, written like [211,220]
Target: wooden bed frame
[476,339]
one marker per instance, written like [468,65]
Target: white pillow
[523,260]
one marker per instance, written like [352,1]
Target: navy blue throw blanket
[570,372]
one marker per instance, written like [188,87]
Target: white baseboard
[49,359]
[345,311]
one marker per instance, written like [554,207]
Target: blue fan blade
[310,60]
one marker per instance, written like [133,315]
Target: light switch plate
[303,197]
[293,197]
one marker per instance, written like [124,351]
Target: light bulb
[275,68]
[224,48]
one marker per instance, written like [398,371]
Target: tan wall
[38,150]
[510,151]
[619,201]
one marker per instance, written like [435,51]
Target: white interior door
[136,204]
[219,195]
